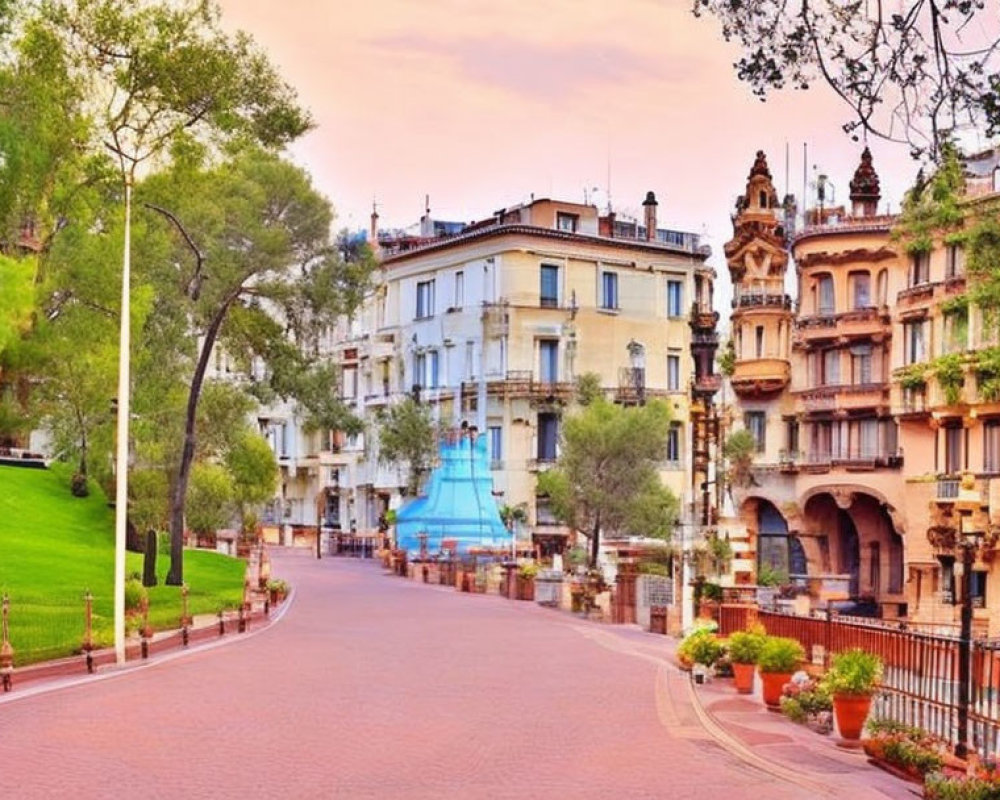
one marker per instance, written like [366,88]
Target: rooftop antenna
[786,166]
[805,197]
[608,181]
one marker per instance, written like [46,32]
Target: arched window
[883,287]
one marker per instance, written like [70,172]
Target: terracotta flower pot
[772,683]
[743,677]
[851,711]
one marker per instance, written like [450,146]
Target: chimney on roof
[649,205]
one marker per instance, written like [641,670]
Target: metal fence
[922,681]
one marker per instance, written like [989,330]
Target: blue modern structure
[458,504]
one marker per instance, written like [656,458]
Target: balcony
[815,328]
[631,385]
[703,317]
[853,459]
[760,376]
[863,395]
[863,322]
[770,300]
[916,296]
[707,384]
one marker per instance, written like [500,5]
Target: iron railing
[921,685]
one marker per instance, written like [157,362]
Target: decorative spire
[760,166]
[865,184]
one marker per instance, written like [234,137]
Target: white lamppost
[121,454]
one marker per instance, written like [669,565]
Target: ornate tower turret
[762,312]
[865,188]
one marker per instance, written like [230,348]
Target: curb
[106,671]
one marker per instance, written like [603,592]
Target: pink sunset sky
[481,104]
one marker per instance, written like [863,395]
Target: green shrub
[527,571]
[769,576]
[654,568]
[135,594]
[908,754]
[792,708]
[745,647]
[703,648]
[711,592]
[939,787]
[854,672]
[780,654]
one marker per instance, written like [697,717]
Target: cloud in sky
[540,71]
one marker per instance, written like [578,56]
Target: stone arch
[773,537]
[859,536]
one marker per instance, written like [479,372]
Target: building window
[459,289]
[954,264]
[548,360]
[425,299]
[496,443]
[759,341]
[549,290]
[913,342]
[674,299]
[674,443]
[868,438]
[567,222]
[609,291]
[875,568]
[920,269]
[883,287]
[756,423]
[831,367]
[419,369]
[792,437]
[861,364]
[991,446]
[861,289]
[673,373]
[956,330]
[977,588]
[953,449]
[425,370]
[826,303]
[548,436]
[433,378]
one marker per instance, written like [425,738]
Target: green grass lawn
[54,547]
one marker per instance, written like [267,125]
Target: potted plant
[744,650]
[526,581]
[778,659]
[852,678]
[277,589]
[699,651]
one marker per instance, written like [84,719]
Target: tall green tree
[250,242]
[254,471]
[407,435]
[606,479]
[911,72]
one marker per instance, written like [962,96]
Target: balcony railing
[763,300]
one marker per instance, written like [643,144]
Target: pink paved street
[373,686]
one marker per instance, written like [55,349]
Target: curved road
[372,686]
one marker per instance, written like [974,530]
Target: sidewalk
[743,724]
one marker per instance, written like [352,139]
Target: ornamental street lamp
[968,542]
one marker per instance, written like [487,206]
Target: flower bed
[908,752]
[984,784]
[808,702]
